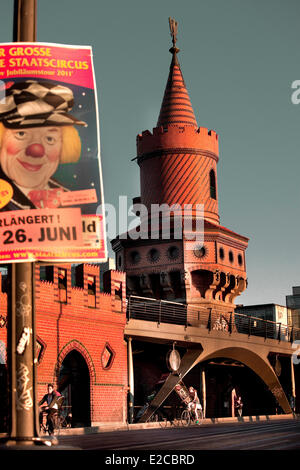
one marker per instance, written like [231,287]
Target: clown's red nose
[35,150]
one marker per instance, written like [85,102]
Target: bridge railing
[162,311]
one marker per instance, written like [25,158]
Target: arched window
[212,183]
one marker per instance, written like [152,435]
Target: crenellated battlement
[83,295]
[46,283]
[177,136]
[175,128]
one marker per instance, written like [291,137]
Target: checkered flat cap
[32,103]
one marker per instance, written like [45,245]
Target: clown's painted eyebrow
[52,130]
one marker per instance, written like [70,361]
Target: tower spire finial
[176,107]
[173,29]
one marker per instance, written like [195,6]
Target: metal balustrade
[162,311]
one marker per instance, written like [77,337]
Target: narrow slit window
[212,181]
[62,285]
[118,293]
[91,291]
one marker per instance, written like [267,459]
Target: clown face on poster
[50,168]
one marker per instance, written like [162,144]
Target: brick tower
[178,169]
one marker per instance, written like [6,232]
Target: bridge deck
[207,334]
[199,321]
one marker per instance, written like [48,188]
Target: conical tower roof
[176,107]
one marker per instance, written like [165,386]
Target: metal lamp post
[21,342]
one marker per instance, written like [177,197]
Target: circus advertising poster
[50,167]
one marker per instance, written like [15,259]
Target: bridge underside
[195,356]
[201,346]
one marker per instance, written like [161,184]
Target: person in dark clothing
[51,407]
[237,402]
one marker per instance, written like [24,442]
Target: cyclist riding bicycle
[51,407]
[195,404]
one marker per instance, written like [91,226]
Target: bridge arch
[193,356]
[261,367]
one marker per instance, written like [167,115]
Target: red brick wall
[63,327]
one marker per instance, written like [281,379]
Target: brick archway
[77,346]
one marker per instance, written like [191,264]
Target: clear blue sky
[239,59]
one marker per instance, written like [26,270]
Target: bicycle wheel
[176,421]
[163,422]
[185,418]
[56,425]
[200,417]
[43,425]
[63,422]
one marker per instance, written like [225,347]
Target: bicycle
[188,417]
[59,420]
